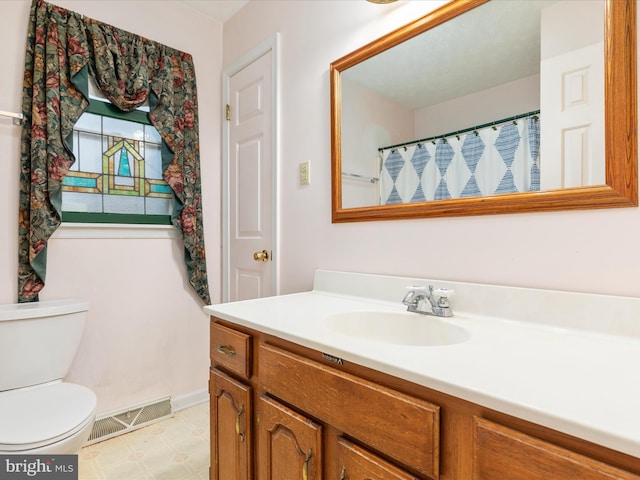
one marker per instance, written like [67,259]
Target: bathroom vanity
[519,384]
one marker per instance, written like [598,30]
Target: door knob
[262,256]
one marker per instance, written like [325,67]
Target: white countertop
[585,384]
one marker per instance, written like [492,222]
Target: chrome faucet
[428,302]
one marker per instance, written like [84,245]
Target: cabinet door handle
[343,473]
[226,349]
[305,465]
[238,415]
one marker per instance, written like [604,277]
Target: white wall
[586,251]
[369,121]
[147,335]
[502,101]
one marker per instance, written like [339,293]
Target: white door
[572,95]
[250,196]
[572,120]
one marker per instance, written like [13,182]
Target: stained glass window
[117,176]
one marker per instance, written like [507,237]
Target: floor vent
[126,421]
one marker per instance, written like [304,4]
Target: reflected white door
[250,195]
[572,119]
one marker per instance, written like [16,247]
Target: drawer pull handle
[227,350]
[343,473]
[305,466]
[238,415]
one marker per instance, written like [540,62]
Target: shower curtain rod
[466,130]
[17,117]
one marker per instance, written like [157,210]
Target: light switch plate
[305,173]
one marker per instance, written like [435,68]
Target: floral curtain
[63,49]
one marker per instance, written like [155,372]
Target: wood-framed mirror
[615,186]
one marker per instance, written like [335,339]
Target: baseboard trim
[189,400]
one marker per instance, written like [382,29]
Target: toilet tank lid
[48,308]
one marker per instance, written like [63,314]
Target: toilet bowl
[40,413]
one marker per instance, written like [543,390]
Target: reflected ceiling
[445,56]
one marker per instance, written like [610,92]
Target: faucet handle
[442,295]
[444,292]
[411,293]
[416,288]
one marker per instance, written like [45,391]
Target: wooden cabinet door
[356,463]
[231,437]
[289,444]
[503,453]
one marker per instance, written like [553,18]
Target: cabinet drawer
[231,350]
[500,452]
[404,428]
[356,463]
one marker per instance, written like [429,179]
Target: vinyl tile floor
[172,449]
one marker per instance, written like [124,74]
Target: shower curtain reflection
[501,158]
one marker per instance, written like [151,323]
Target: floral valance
[63,49]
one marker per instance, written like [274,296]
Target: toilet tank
[39,340]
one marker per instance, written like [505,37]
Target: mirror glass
[502,102]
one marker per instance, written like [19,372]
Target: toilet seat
[45,414]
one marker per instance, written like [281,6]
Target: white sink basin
[399,328]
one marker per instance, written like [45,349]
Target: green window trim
[121,218]
[106,109]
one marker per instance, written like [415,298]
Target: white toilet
[39,413]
